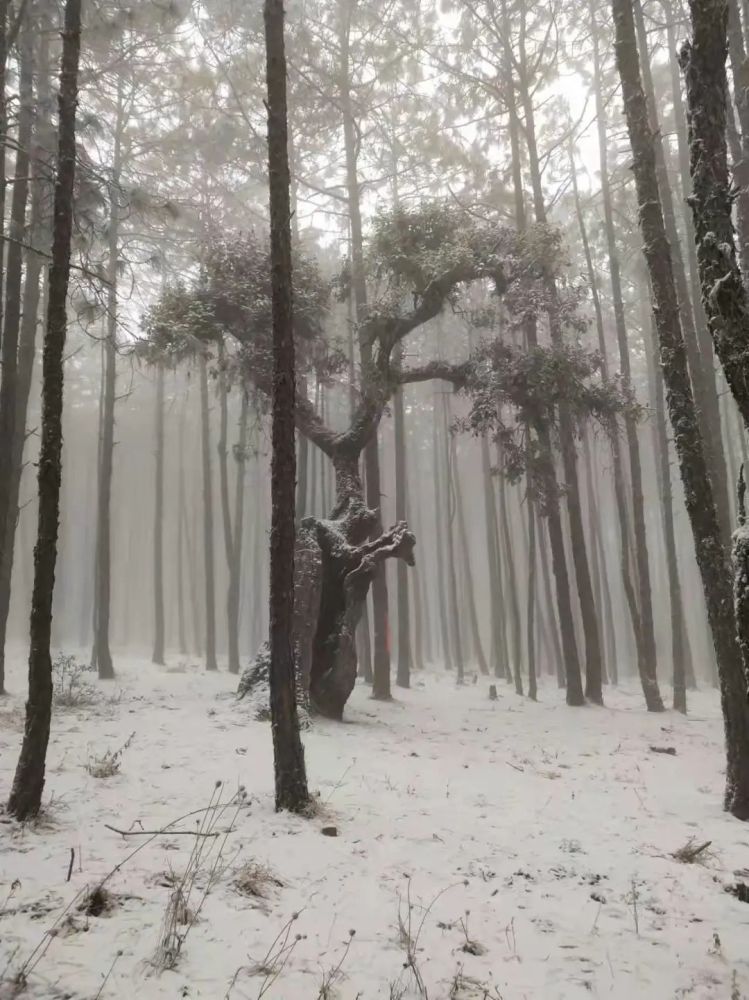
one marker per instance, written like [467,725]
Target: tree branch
[444,371]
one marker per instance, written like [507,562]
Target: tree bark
[381,664]
[13,285]
[574,693]
[699,352]
[158,524]
[232,596]
[511,587]
[452,576]
[439,528]
[235,563]
[694,470]
[28,783]
[38,237]
[530,620]
[473,621]
[496,597]
[289,768]
[102,654]
[740,155]
[208,554]
[403,671]
[723,293]
[640,605]
[181,543]
[603,589]
[678,631]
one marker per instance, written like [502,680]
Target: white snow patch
[540,826]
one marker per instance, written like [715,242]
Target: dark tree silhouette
[290,774]
[28,783]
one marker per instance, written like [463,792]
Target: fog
[377,369]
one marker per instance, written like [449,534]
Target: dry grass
[108,764]
[693,852]
[206,864]
[255,880]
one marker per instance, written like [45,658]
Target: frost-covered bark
[349,561]
[288,753]
[698,494]
[699,355]
[723,295]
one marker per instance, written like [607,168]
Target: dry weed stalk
[693,851]
[207,858]
[109,763]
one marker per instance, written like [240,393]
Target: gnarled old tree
[425,258]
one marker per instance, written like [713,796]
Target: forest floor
[533,843]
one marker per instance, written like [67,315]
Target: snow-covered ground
[547,831]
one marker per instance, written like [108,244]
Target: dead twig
[158,833]
[691,852]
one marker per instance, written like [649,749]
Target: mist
[373,563]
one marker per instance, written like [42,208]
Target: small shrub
[70,688]
[109,763]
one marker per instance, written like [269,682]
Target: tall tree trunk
[739,154]
[452,576]
[232,596]
[640,606]
[439,525]
[403,672]
[208,555]
[559,559]
[192,531]
[567,437]
[38,237]
[28,783]
[694,470]
[473,621]
[290,773]
[531,600]
[680,121]
[724,294]
[699,352]
[678,630]
[302,464]
[158,525]
[363,639]
[596,535]
[511,587]
[496,597]
[13,283]
[102,653]
[181,541]
[381,666]
[554,627]
[235,563]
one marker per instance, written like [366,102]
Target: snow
[548,830]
